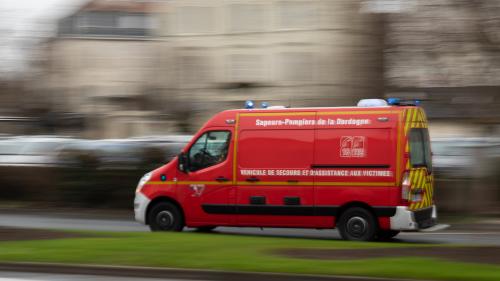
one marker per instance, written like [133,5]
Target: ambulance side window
[210,149]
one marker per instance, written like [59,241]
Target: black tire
[357,224]
[387,234]
[205,228]
[165,216]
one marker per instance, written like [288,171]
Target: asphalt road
[121,224]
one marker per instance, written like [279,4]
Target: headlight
[143,181]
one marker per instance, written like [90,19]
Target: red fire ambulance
[366,170]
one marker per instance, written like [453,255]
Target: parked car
[31,151]
[459,157]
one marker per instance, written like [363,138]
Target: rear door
[421,193]
[419,160]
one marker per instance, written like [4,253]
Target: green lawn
[237,253]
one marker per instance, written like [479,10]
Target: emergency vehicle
[365,170]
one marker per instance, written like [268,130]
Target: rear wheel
[386,234]
[165,216]
[357,224]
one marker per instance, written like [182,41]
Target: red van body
[366,170]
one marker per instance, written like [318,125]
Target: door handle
[252,179]
[221,179]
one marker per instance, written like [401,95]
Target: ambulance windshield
[420,151]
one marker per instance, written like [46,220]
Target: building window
[194,71]
[108,24]
[246,68]
[135,21]
[297,14]
[297,67]
[247,18]
[194,19]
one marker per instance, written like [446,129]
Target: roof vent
[372,102]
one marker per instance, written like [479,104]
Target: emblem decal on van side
[197,189]
[352,146]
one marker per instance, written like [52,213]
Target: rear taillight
[405,188]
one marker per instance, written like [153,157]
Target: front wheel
[357,224]
[165,216]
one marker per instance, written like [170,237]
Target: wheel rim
[357,226]
[165,219]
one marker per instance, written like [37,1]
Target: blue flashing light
[264,105]
[249,104]
[393,101]
[417,102]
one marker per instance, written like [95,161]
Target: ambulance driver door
[207,179]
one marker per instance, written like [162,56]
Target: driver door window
[210,149]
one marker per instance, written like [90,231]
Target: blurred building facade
[447,52]
[104,64]
[286,52]
[140,67]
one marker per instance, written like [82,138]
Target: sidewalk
[173,273]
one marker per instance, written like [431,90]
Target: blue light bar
[393,101]
[249,104]
[417,102]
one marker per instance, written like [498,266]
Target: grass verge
[236,253]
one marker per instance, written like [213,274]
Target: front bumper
[406,219]
[141,203]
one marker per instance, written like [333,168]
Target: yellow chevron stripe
[426,194]
[412,182]
[422,185]
[426,191]
[414,117]
[418,179]
[407,121]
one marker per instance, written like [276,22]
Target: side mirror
[183,162]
